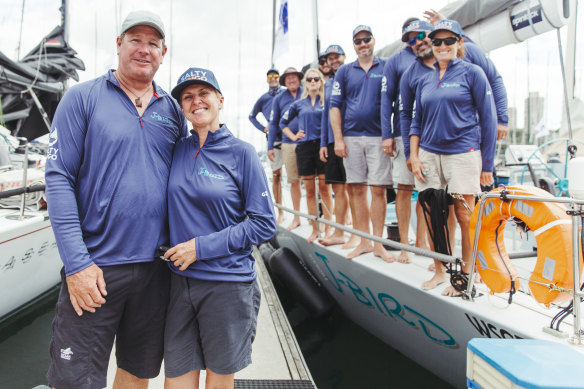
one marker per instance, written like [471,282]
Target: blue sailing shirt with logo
[107,174]
[359,92]
[218,194]
[394,68]
[279,106]
[456,114]
[264,105]
[309,117]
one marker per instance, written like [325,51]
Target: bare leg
[403,210]
[341,206]
[439,276]
[188,380]
[125,380]
[311,205]
[354,240]
[277,189]
[295,194]
[219,381]
[378,208]
[358,198]
[324,190]
[463,217]
[421,230]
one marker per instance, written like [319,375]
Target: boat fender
[552,228]
[266,251]
[300,281]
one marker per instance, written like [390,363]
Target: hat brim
[148,24]
[434,32]
[177,90]
[283,77]
[406,35]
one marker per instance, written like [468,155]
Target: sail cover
[44,69]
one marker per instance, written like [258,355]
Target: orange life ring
[552,228]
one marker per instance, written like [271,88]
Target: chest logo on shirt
[204,172]
[157,116]
[336,89]
[450,85]
[373,75]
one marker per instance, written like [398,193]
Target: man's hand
[340,148]
[417,168]
[486,178]
[86,289]
[267,129]
[433,16]
[323,154]
[183,254]
[388,146]
[409,164]
[502,131]
[271,155]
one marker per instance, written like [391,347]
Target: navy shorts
[308,159]
[210,325]
[134,313]
[334,171]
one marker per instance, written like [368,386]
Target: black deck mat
[273,384]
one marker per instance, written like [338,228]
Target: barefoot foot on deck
[434,281]
[332,240]
[381,252]
[295,223]
[314,236]
[280,219]
[404,257]
[360,249]
[451,292]
[352,243]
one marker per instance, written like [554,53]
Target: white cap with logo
[143,18]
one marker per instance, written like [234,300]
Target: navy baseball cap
[361,28]
[273,70]
[415,26]
[194,76]
[446,25]
[143,18]
[334,49]
[321,54]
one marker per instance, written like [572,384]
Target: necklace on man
[138,100]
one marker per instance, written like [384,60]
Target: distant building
[512,112]
[534,110]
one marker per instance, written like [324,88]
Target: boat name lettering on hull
[388,306]
[488,330]
[28,255]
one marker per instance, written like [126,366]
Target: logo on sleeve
[384,84]
[66,353]
[52,151]
[271,115]
[285,116]
[336,89]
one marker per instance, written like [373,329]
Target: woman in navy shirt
[453,134]
[309,110]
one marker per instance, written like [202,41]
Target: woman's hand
[486,178]
[182,255]
[271,155]
[417,168]
[299,135]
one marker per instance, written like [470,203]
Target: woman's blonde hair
[320,90]
[461,49]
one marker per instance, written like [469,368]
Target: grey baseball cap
[143,18]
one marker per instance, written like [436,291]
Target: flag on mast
[282,33]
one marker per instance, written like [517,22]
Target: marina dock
[277,359]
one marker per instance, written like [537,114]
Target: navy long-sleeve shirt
[219,195]
[394,68]
[456,114]
[359,93]
[279,106]
[264,105]
[107,174]
[309,117]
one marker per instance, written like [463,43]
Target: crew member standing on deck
[107,171]
[414,32]
[264,105]
[357,133]
[324,67]
[453,133]
[291,79]
[308,109]
[219,207]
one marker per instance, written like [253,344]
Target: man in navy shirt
[324,67]
[414,33]
[357,133]
[107,175]
[264,105]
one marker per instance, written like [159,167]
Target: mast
[171,51]
[64,24]
[20,35]
[315,24]
[273,30]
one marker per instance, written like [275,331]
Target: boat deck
[276,355]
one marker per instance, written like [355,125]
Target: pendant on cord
[138,102]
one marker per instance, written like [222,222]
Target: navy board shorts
[209,325]
[334,168]
[134,313]
[308,159]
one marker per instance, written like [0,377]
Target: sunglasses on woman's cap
[419,37]
[449,41]
[367,39]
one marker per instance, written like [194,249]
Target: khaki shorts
[400,172]
[289,157]
[366,161]
[460,172]
[278,161]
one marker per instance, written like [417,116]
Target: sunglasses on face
[310,79]
[419,37]
[322,61]
[367,39]
[273,76]
[449,41]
